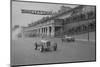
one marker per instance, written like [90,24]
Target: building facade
[81,19]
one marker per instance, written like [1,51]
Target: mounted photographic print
[52,33]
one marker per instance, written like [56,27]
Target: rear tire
[35,46]
[55,47]
[73,40]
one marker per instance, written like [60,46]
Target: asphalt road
[23,52]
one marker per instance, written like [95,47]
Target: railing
[84,28]
[80,17]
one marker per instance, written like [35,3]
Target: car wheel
[73,40]
[55,47]
[41,49]
[35,46]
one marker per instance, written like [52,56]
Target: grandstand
[73,22]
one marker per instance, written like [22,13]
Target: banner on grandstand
[37,12]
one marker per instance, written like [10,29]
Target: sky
[22,19]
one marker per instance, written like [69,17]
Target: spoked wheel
[35,46]
[41,49]
[55,47]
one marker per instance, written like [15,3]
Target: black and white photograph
[52,33]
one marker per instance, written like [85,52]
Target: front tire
[41,49]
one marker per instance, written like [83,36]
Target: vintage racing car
[45,45]
[68,39]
